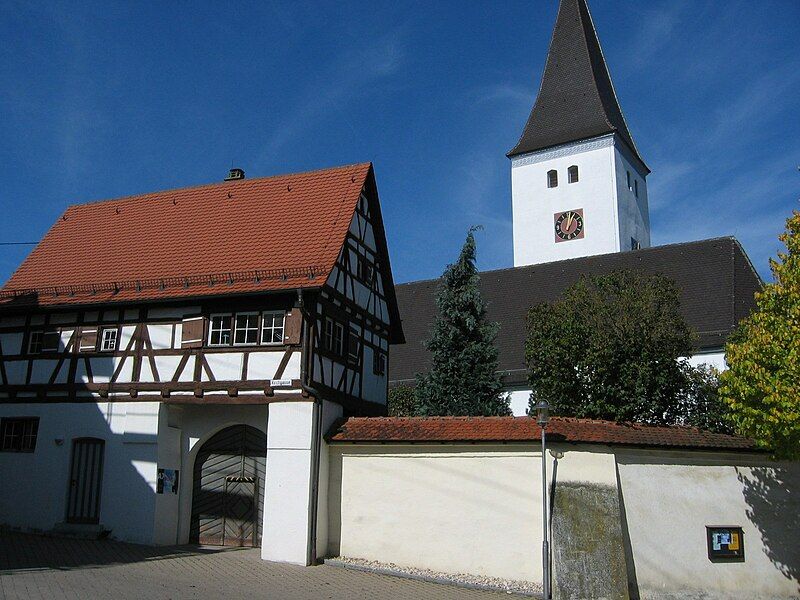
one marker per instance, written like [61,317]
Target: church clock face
[569,225]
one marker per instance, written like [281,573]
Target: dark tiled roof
[525,429]
[715,277]
[576,99]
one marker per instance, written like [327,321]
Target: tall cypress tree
[463,378]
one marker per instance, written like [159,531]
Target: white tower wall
[612,214]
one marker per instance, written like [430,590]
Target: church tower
[578,184]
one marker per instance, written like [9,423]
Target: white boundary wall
[477,509]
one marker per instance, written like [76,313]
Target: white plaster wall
[35,484]
[519,402]
[534,204]
[287,493]
[671,497]
[330,413]
[457,509]
[633,212]
[712,359]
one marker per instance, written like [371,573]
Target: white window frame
[36,336]
[104,347]
[272,328]
[352,334]
[378,362]
[236,329]
[211,329]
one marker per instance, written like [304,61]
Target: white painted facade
[477,509]
[613,212]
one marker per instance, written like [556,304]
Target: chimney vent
[235,174]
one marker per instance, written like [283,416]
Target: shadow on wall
[89,465]
[772,495]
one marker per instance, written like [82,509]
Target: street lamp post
[543,418]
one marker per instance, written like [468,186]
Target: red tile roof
[250,235]
[525,429]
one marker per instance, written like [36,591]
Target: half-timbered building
[169,362]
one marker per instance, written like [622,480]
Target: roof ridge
[580,258]
[211,185]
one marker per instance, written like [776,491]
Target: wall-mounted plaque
[725,543]
[167,481]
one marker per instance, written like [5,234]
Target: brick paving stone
[39,567]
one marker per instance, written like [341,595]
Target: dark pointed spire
[576,100]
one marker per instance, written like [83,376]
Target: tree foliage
[762,385]
[700,404]
[463,378]
[611,348]
[402,402]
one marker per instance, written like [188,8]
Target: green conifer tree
[463,378]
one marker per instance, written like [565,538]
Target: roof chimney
[235,174]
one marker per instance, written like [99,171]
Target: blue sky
[106,99]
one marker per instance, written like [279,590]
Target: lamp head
[542,412]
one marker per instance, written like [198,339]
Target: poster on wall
[725,543]
[167,481]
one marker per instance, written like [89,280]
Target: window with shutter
[88,340]
[192,332]
[292,327]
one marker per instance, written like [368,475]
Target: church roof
[576,99]
[715,278]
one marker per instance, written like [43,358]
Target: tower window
[572,174]
[636,187]
[630,187]
[552,178]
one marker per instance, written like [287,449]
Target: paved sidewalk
[54,568]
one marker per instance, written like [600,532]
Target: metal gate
[227,498]
[85,481]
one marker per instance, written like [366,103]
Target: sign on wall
[725,543]
[167,481]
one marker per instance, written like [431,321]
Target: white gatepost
[289,479]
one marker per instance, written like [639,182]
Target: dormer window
[628,174]
[572,174]
[636,187]
[552,178]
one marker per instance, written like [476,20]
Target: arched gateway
[227,496]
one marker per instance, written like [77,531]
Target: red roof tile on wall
[242,236]
[525,429]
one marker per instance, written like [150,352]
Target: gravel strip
[526,588]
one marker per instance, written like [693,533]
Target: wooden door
[227,496]
[85,481]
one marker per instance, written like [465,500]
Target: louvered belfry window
[552,178]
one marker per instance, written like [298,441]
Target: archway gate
[227,495]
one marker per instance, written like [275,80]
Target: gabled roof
[715,278]
[525,429]
[576,99]
[236,237]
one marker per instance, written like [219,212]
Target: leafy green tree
[463,378]
[762,385]
[402,402]
[611,348]
[700,404]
